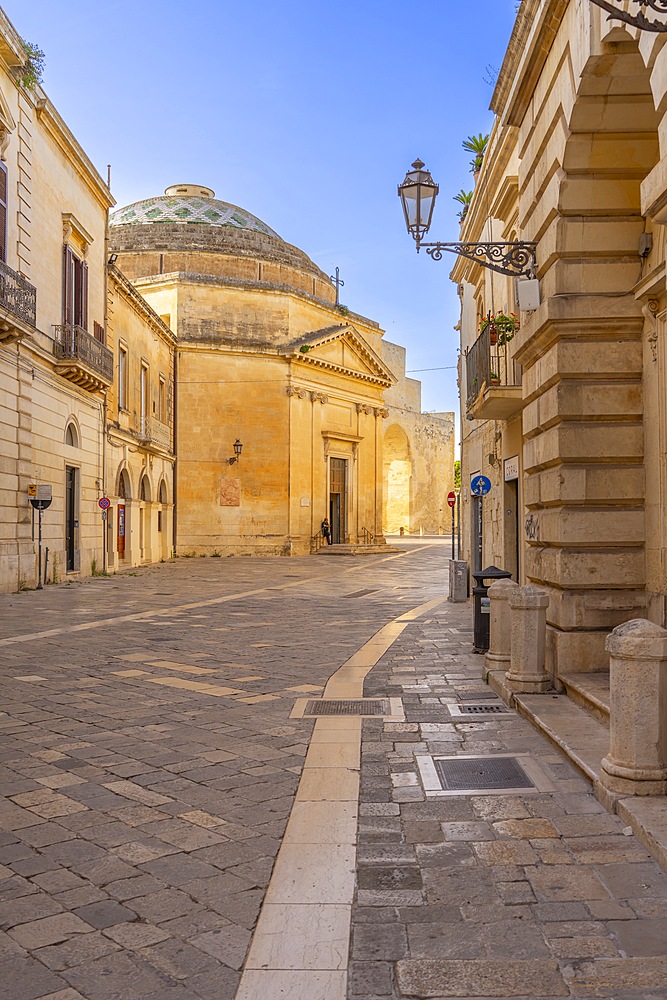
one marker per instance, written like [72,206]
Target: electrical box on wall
[527,294]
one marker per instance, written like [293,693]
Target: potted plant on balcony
[494,378]
[476,144]
[507,325]
[489,323]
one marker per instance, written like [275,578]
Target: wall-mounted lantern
[238,448]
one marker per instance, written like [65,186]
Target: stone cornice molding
[56,128]
[129,292]
[535,28]
[379,374]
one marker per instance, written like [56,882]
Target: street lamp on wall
[418,193]
[238,448]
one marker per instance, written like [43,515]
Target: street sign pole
[458,523]
[453,552]
[480,541]
[40,586]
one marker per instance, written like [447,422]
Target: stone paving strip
[300,949]
[140,821]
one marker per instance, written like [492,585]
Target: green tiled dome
[189,203]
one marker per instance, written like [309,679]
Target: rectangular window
[162,399]
[122,378]
[75,289]
[143,398]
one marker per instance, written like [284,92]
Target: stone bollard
[528,609]
[500,625]
[637,760]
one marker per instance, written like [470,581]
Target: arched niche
[145,492]
[397,480]
[72,435]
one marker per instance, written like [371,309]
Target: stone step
[356,550]
[581,737]
[590,691]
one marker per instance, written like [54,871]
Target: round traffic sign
[451,498]
[480,485]
[104,503]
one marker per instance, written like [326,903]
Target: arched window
[124,489]
[163,493]
[145,489]
[71,436]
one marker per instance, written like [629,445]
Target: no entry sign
[451,499]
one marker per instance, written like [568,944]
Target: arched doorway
[144,518]
[124,493]
[397,493]
[162,522]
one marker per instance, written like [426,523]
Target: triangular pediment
[342,349]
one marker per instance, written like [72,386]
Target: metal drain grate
[480,773]
[370,706]
[478,696]
[481,709]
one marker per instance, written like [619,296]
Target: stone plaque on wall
[230,493]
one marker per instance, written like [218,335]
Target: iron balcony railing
[17,295]
[155,432]
[76,344]
[489,366]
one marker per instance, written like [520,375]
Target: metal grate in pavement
[489,709]
[484,695]
[361,706]
[475,774]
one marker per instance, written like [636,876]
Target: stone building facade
[573,434]
[55,366]
[418,456]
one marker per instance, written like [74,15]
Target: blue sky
[305,113]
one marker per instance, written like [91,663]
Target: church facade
[267,360]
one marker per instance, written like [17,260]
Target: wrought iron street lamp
[638,19]
[418,193]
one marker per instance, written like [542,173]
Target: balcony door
[71,522]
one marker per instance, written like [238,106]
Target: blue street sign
[480,485]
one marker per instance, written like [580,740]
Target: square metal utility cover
[493,774]
[389,709]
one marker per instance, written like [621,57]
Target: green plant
[476,144]
[23,585]
[343,310]
[216,555]
[30,73]
[464,198]
[457,474]
[55,572]
[503,325]
[304,348]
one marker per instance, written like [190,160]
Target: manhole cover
[478,696]
[377,706]
[478,773]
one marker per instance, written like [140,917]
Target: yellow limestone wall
[576,163]
[54,195]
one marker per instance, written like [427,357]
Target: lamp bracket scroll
[638,19]
[517,260]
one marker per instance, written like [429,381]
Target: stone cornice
[380,374]
[535,28]
[72,150]
[127,289]
[194,278]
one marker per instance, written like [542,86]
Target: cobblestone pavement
[524,894]
[148,762]
[148,766]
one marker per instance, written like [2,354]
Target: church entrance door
[338,499]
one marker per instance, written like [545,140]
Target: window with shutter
[3,212]
[75,289]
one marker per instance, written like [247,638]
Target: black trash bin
[481,605]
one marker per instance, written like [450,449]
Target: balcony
[154,432]
[18,305]
[493,380]
[81,358]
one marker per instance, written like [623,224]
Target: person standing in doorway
[326,530]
